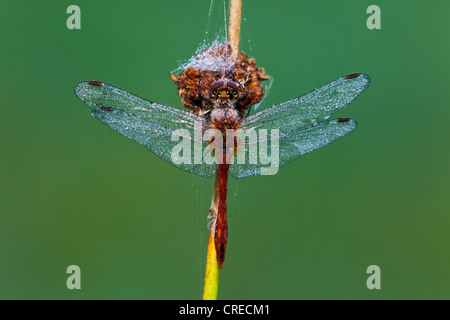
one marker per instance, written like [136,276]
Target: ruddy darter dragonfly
[303,125]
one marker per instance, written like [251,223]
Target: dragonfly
[303,126]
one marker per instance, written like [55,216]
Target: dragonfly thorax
[225,118]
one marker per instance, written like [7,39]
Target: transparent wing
[293,115]
[301,124]
[293,145]
[148,123]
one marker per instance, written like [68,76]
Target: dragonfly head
[223,93]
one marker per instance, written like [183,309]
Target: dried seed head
[215,63]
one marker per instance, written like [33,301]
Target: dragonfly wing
[309,109]
[148,123]
[300,122]
[293,145]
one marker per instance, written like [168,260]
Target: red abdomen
[221,234]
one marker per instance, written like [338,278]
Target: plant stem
[212,272]
[211,285]
[234,29]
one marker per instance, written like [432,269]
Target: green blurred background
[73,191]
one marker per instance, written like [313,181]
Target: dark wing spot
[106,108]
[343,120]
[353,75]
[95,83]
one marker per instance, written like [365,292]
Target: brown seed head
[213,64]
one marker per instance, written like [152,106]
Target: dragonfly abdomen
[221,233]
